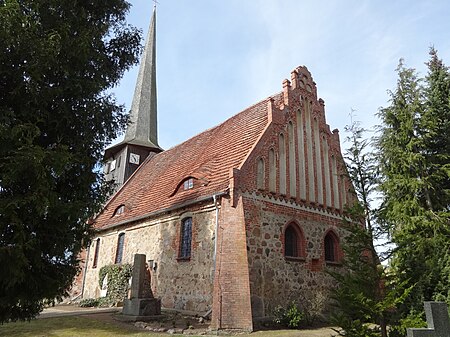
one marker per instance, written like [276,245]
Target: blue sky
[216,58]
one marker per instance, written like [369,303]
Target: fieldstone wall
[179,283]
[274,279]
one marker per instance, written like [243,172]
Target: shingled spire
[142,129]
[141,136]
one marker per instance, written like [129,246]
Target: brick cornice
[291,203]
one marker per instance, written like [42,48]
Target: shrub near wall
[291,316]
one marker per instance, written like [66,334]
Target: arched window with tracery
[185,239]
[331,247]
[294,245]
[119,249]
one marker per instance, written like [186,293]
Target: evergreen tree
[58,59]
[436,120]
[414,165]
[364,297]
[436,130]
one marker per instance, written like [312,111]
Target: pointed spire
[142,129]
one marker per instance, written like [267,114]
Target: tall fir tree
[364,297]
[436,131]
[59,59]
[414,166]
[436,121]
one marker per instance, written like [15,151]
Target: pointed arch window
[294,243]
[119,250]
[331,247]
[185,239]
[97,250]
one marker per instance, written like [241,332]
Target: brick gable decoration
[274,166]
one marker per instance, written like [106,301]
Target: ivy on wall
[118,278]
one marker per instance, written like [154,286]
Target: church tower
[141,138]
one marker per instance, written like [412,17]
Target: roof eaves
[160,211]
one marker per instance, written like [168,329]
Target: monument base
[142,307]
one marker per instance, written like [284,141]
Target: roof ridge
[220,124]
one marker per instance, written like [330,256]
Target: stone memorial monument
[141,304]
[437,320]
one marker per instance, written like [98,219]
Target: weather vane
[154,3]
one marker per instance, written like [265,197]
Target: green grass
[75,326]
[69,326]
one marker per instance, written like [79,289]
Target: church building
[237,220]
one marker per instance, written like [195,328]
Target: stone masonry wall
[181,284]
[274,279]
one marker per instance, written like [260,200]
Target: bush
[291,317]
[96,302]
[89,302]
[313,306]
[413,320]
[354,327]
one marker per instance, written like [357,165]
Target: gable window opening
[119,210]
[331,248]
[293,242]
[97,250]
[186,239]
[119,250]
[188,184]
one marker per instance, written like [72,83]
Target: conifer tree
[363,296]
[413,147]
[436,131]
[58,60]
[436,121]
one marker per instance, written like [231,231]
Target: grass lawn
[68,326]
[84,326]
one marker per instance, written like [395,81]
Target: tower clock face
[134,158]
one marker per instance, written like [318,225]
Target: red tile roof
[207,157]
